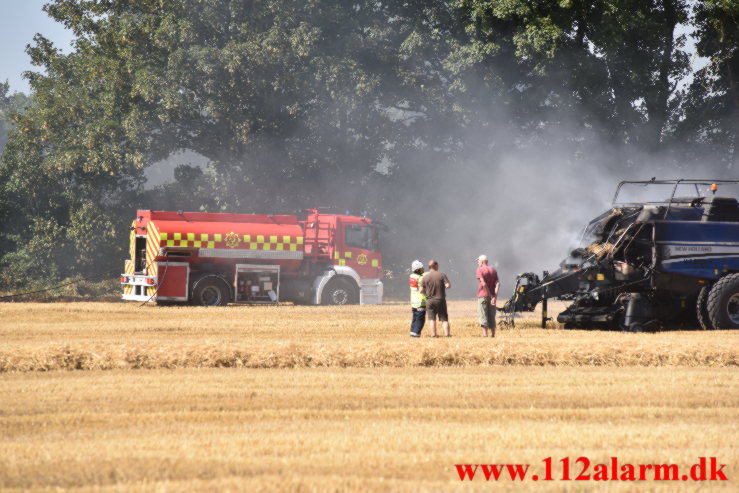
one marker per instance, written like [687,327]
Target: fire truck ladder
[321,239]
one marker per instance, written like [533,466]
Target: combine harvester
[648,265]
[212,259]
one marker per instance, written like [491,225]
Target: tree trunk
[657,104]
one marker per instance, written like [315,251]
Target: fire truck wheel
[723,303]
[210,291]
[701,309]
[340,292]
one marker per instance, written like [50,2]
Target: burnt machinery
[649,265]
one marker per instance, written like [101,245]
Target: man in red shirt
[487,294]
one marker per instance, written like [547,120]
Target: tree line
[343,104]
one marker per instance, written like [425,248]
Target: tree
[345,104]
[288,103]
[10,105]
[708,122]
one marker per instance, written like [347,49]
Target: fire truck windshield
[360,237]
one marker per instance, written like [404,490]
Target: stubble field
[110,396]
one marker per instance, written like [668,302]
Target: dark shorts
[437,308]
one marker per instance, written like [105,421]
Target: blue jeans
[419,318]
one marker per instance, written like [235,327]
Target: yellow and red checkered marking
[361,259]
[217,240]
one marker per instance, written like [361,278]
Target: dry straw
[107,336]
[92,357]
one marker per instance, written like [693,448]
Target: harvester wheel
[723,303]
[210,291]
[635,327]
[701,309]
[340,292]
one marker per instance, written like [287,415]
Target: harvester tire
[340,292]
[210,291]
[723,303]
[635,327]
[701,309]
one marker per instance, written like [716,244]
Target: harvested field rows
[379,412]
[106,336]
[383,429]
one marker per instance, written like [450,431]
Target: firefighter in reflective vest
[418,299]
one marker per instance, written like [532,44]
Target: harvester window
[360,237]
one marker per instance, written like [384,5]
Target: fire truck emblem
[362,259]
[232,240]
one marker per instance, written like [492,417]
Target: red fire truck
[213,259]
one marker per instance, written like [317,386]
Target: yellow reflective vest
[418,299]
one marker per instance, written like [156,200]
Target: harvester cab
[649,265]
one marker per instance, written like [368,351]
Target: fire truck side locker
[174,279]
[256,283]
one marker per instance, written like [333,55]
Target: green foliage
[10,106]
[708,112]
[94,242]
[38,259]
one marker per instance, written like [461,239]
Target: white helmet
[417,264]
